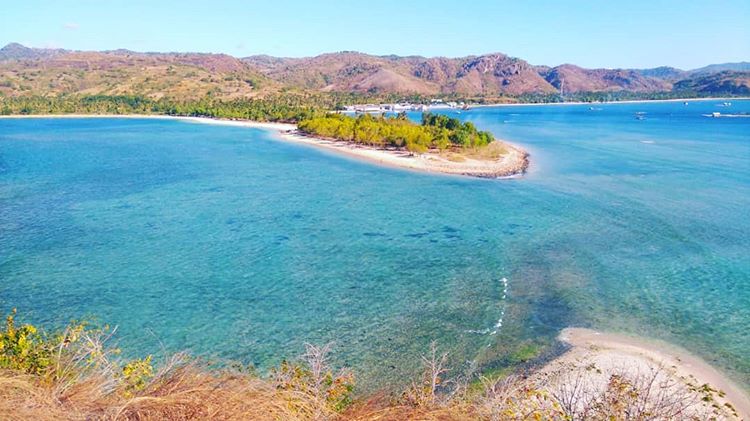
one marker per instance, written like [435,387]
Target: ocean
[234,245]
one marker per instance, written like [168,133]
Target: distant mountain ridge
[742,66]
[26,70]
[16,51]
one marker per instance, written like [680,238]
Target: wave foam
[499,324]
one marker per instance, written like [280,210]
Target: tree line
[282,108]
[290,106]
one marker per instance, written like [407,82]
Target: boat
[717,115]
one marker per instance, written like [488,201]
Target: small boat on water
[719,115]
[724,104]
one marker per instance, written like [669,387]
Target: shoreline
[512,164]
[627,101]
[611,351]
[440,107]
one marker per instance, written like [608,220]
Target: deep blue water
[232,244]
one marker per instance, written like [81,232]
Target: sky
[615,34]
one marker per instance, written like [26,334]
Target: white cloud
[71,26]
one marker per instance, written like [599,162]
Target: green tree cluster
[435,132]
[460,134]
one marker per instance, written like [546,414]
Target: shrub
[24,348]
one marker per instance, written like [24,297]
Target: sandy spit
[515,162]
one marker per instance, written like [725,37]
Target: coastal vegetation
[282,108]
[76,374]
[290,107]
[436,131]
[614,96]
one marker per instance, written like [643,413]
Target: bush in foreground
[75,375]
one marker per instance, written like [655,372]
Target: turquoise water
[231,244]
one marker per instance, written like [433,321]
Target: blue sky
[684,34]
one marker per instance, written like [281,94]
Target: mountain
[15,51]
[578,79]
[27,71]
[494,73]
[357,72]
[729,82]
[344,72]
[663,72]
[742,66]
[179,75]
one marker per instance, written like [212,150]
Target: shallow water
[232,244]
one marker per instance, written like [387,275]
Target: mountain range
[36,71]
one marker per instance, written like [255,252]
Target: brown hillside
[348,71]
[124,72]
[578,79]
[34,71]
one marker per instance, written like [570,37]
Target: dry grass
[491,152]
[76,376]
[494,150]
[187,390]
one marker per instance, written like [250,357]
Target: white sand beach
[610,353]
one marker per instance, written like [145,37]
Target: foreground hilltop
[76,374]
[34,71]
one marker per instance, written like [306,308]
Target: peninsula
[439,145]
[498,159]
